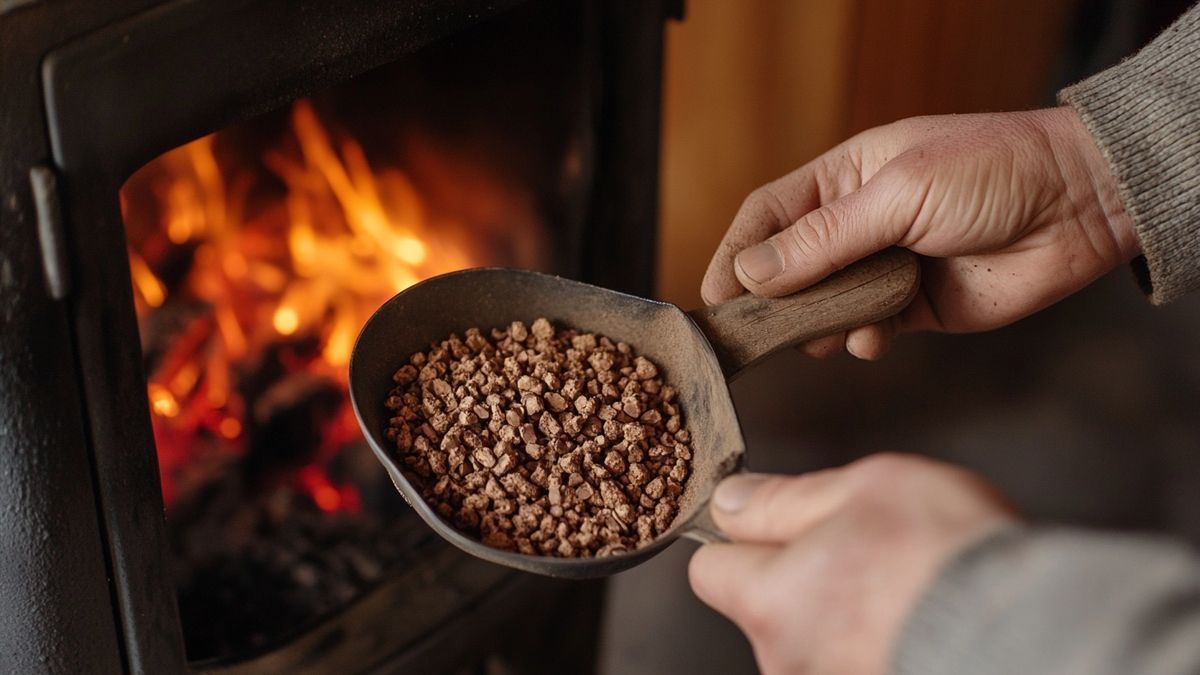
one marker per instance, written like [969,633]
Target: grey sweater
[1055,602]
[1145,116]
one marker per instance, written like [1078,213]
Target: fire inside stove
[254,264]
[282,286]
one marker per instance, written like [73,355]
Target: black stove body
[93,90]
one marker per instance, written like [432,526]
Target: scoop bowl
[695,353]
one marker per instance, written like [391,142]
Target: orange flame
[310,264]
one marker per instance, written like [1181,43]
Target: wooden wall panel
[921,57]
[752,88]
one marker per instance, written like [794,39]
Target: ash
[255,567]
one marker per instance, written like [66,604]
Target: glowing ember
[230,427]
[150,289]
[162,402]
[286,320]
[254,280]
[327,496]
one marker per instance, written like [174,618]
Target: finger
[761,215]
[721,575]
[764,508]
[775,206]
[831,237]
[823,348]
[919,315]
[871,342]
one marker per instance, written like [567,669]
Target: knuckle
[764,203]
[886,482]
[839,172]
[883,468]
[809,239]
[818,227]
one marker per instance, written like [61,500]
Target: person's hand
[825,566]
[1012,211]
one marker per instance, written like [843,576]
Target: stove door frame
[128,91]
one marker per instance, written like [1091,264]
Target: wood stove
[553,106]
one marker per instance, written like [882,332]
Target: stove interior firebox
[258,251]
[223,194]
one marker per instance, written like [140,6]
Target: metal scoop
[697,353]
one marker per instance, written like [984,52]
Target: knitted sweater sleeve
[1026,601]
[1144,113]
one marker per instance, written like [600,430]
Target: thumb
[827,239]
[769,509]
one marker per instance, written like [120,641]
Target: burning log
[288,419]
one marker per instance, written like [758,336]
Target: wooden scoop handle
[749,328]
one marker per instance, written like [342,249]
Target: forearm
[1144,114]
[1026,601]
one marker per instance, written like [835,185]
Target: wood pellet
[542,440]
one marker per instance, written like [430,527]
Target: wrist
[1092,188]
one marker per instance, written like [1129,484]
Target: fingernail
[734,492]
[760,262]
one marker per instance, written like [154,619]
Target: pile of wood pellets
[540,440]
